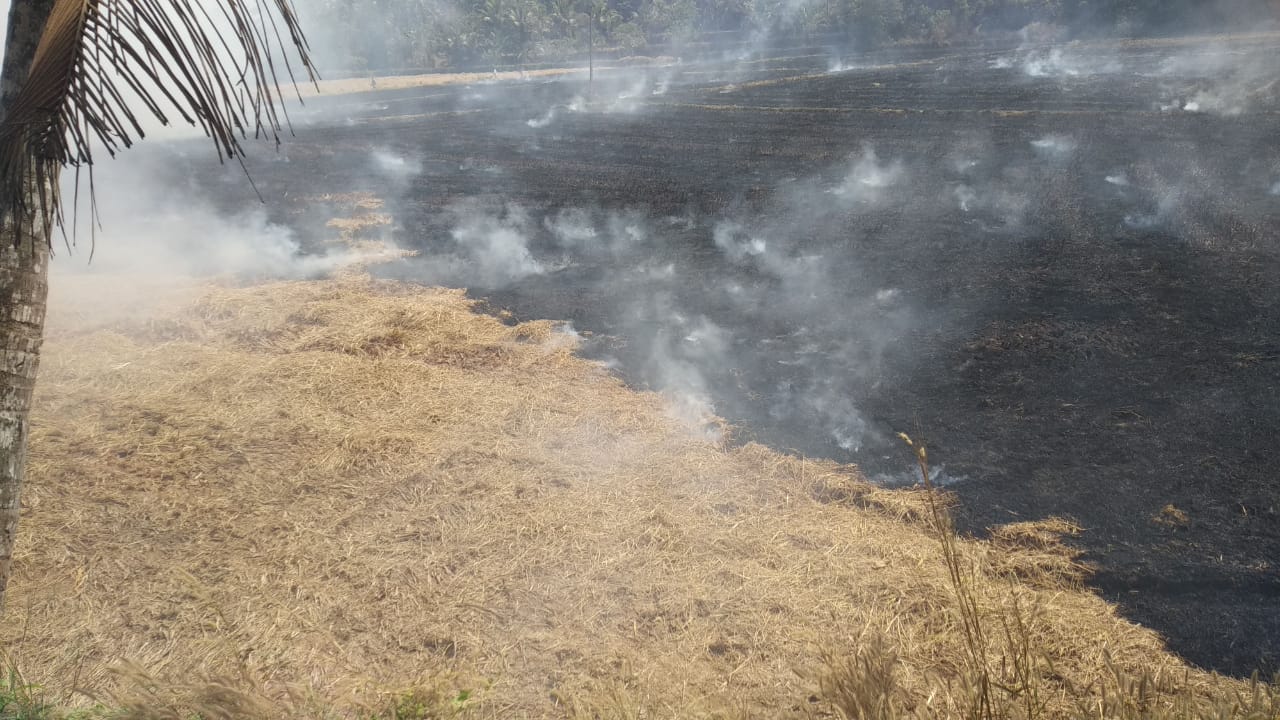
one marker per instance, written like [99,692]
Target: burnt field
[1059,266]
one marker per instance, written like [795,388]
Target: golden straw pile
[331,498]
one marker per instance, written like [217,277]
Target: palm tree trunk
[24,274]
[24,271]
[26,23]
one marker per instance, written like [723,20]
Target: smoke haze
[998,242]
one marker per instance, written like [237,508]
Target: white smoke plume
[543,121]
[1040,55]
[1221,80]
[584,233]
[868,178]
[574,229]
[1158,210]
[612,91]
[394,165]
[150,223]
[1054,147]
[492,244]
[1060,62]
[1008,207]
[845,423]
[679,353]
[910,477]
[736,242]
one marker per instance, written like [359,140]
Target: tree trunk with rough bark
[26,23]
[23,287]
[24,273]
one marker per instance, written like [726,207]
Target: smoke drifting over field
[149,220]
[684,288]
[997,246]
[1212,78]
[152,227]
[778,269]
[784,264]
[1220,80]
[492,246]
[868,179]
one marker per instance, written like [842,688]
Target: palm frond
[103,66]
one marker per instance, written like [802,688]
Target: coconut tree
[563,17]
[510,24]
[81,76]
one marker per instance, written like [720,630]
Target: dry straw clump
[308,499]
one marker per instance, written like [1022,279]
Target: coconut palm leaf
[102,66]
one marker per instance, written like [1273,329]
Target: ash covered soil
[1058,265]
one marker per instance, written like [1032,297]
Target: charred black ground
[1063,276]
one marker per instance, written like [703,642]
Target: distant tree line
[386,35]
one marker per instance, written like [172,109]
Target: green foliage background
[389,35]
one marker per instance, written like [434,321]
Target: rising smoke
[685,286]
[149,217]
